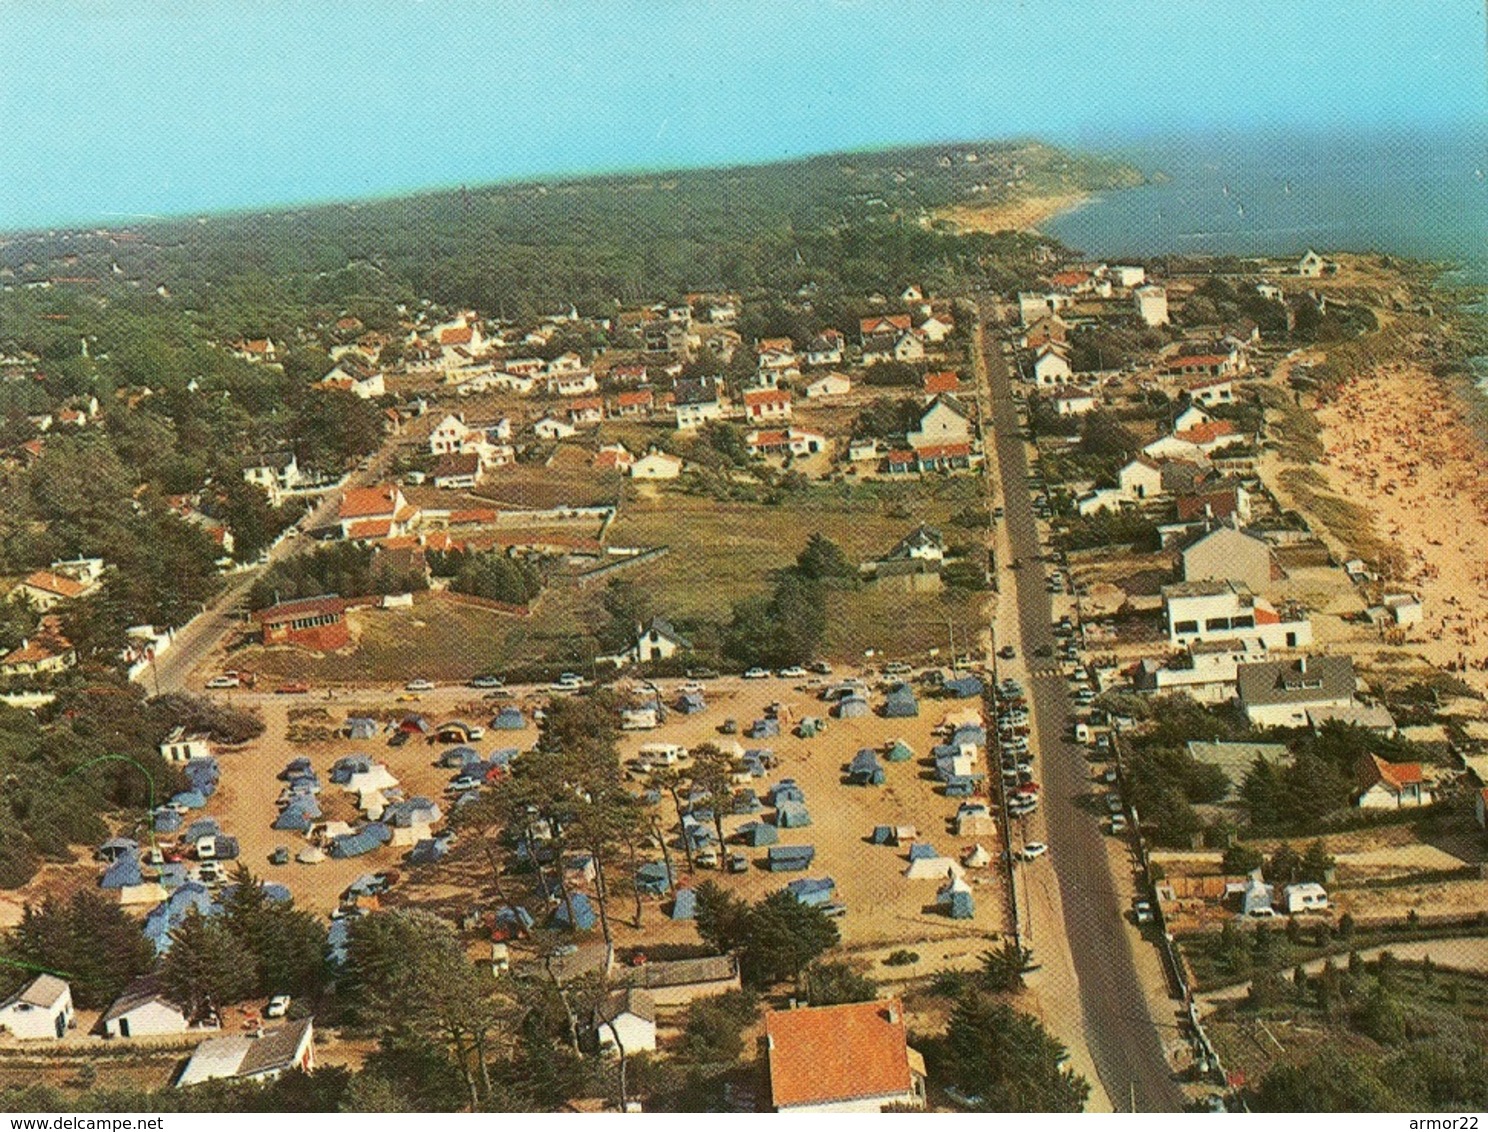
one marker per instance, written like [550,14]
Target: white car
[419,685]
[757,674]
[1143,911]
[794,672]
[1033,850]
[223,682]
[278,1006]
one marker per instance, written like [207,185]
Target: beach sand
[1398,443]
[1023,215]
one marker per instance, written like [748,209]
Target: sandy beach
[1023,215]
[1398,443]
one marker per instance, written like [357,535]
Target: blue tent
[225,848]
[690,703]
[298,815]
[277,893]
[337,937]
[790,858]
[296,767]
[883,835]
[191,799]
[960,787]
[864,770]
[746,801]
[792,815]
[203,774]
[901,703]
[509,719]
[345,767]
[166,916]
[898,752]
[969,733]
[123,873]
[457,757]
[202,827]
[684,907]
[167,820]
[786,790]
[922,850]
[360,727]
[851,707]
[959,906]
[653,879]
[813,891]
[757,834]
[583,913]
[513,917]
[173,874]
[116,847]
[430,850]
[764,729]
[364,840]
[963,687]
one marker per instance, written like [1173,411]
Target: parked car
[1118,823]
[280,855]
[1033,850]
[463,783]
[1142,909]
[419,684]
[701,674]
[278,1006]
[487,681]
[820,667]
[794,672]
[225,680]
[756,674]
[398,739]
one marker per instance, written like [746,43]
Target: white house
[936,329]
[252,1057]
[551,428]
[350,379]
[656,466]
[1074,400]
[1404,609]
[448,435]
[1210,391]
[1051,366]
[1311,265]
[786,441]
[1220,610]
[1207,671]
[1124,275]
[767,405]
[1190,416]
[627,1019]
[1152,304]
[1111,499]
[696,401]
[42,1009]
[1280,693]
[659,641]
[572,384]
[1270,292]
[143,1011]
[179,747]
[276,472]
[944,421]
[825,349]
[829,385]
[1141,478]
[1034,305]
[1385,785]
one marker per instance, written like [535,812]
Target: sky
[112,109]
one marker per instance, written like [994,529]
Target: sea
[1415,193]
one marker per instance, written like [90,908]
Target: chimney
[893,1013]
[1302,664]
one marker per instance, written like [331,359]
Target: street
[1124,1043]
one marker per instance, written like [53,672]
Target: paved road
[1124,1043]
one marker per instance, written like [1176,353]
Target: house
[1385,785]
[1280,693]
[626,1020]
[634,404]
[937,382]
[45,651]
[944,421]
[1371,717]
[1034,305]
[767,405]
[936,328]
[1311,265]
[375,512]
[256,350]
[1207,365]
[696,401]
[909,347]
[1270,292]
[1051,366]
[784,442]
[1123,275]
[1151,302]
[317,623]
[456,471]
[853,1057]
[1215,610]
[551,428]
[678,982]
[1235,759]
[274,472]
[449,435]
[829,385]
[659,641]
[875,326]
[180,747]
[586,411]
[1194,443]
[878,348]
[252,1057]
[350,377]
[1211,391]
[1403,609]
[1074,400]
[143,1011]
[1228,554]
[1218,499]
[42,1009]
[864,448]
[825,349]
[656,466]
[613,458]
[1050,330]
[45,589]
[1141,478]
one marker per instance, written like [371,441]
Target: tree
[1002,970]
[1316,863]
[207,967]
[1241,859]
[828,984]
[287,945]
[90,939]
[822,558]
[1005,1060]
[784,936]
[1332,1080]
[1284,865]
[712,1032]
[722,918]
[713,771]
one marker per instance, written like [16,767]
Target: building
[677,982]
[1051,366]
[45,651]
[656,466]
[1152,304]
[47,589]
[1141,478]
[456,471]
[375,512]
[696,401]
[829,385]
[1227,554]
[1225,499]
[586,411]
[317,623]
[275,472]
[1074,400]
[40,1010]
[944,421]
[180,747]
[359,380]
[1311,265]
[1390,786]
[252,1057]
[784,442]
[659,641]
[1217,610]
[143,1011]
[825,349]
[627,1019]
[1035,305]
[635,404]
[767,405]
[1206,670]
[1280,693]
[1211,391]
[551,428]
[849,1058]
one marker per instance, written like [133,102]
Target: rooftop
[822,1054]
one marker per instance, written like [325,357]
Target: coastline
[1026,214]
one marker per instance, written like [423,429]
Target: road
[1124,1043]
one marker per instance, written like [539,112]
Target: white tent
[972,824]
[954,883]
[960,765]
[978,858]
[310,855]
[732,748]
[147,893]
[969,717]
[932,868]
[372,803]
[333,829]
[375,777]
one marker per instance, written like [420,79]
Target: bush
[901,958]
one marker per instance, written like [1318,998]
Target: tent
[960,787]
[883,835]
[167,916]
[790,858]
[310,855]
[811,726]
[813,891]
[455,731]
[690,703]
[974,819]
[582,918]
[415,724]
[757,834]
[747,802]
[430,850]
[932,868]
[977,857]
[653,878]
[684,907]
[898,752]
[851,707]
[864,770]
[116,847]
[457,757]
[792,815]
[955,897]
[167,820]
[969,734]
[963,687]
[786,790]
[967,717]
[191,799]
[298,815]
[347,765]
[509,719]
[956,765]
[920,850]
[764,729]
[123,873]
[360,727]
[375,777]
[901,703]
[202,827]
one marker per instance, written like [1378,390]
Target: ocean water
[1418,194]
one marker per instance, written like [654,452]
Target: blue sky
[116,107]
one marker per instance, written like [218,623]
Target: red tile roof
[883,324]
[634,398]
[1190,360]
[820,1054]
[304,607]
[780,345]
[942,381]
[456,336]
[1207,431]
[581,404]
[943,451]
[59,584]
[1396,776]
[363,502]
[767,397]
[1069,278]
[370,528]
